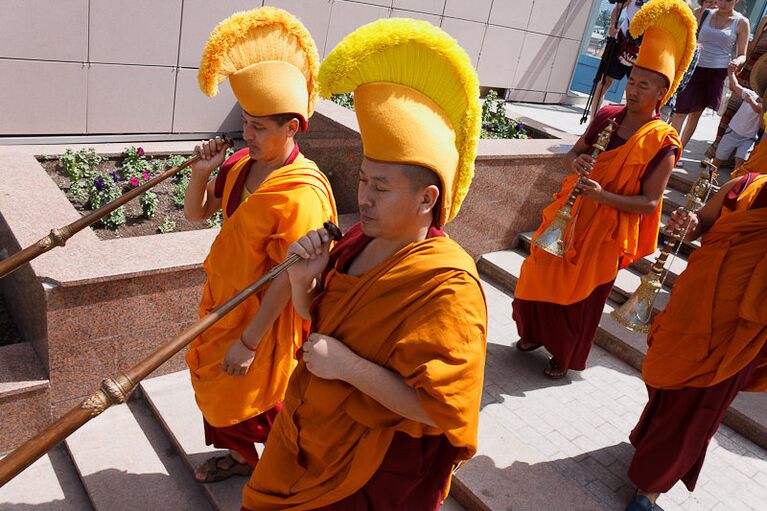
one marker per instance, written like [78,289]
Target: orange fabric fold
[601,239]
[291,201]
[716,321]
[756,163]
[420,313]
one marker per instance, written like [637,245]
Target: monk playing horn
[708,344]
[270,195]
[386,400]
[559,300]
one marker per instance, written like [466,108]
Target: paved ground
[579,427]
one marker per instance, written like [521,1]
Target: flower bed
[90,181]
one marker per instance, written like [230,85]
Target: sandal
[523,345]
[215,471]
[554,371]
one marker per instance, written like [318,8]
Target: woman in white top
[722,31]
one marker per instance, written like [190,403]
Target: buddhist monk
[385,402]
[270,195]
[709,343]
[559,300]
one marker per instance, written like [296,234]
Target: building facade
[79,67]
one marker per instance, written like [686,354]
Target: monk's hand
[589,189]
[212,153]
[326,357]
[680,221]
[583,165]
[237,359]
[313,249]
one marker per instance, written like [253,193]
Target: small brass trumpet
[636,312]
[552,238]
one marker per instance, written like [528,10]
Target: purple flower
[140,151]
[115,176]
[99,184]
[519,127]
[134,181]
[145,175]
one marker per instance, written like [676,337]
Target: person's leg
[599,94]
[690,126]
[677,121]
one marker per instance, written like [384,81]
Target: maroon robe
[243,436]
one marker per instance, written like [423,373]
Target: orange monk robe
[420,313]
[601,239]
[716,321]
[291,201]
[708,344]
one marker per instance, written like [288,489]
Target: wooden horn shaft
[117,390]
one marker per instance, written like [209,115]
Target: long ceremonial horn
[552,239]
[636,312]
[116,390]
[58,237]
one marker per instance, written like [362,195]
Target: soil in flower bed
[136,224]
[8,332]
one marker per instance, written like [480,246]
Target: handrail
[117,390]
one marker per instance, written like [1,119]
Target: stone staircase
[135,456]
[748,413]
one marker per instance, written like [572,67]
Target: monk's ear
[429,198]
[293,126]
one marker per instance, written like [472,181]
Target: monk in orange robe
[559,300]
[385,401]
[709,343]
[270,195]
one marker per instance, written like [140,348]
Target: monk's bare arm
[646,202]
[388,388]
[274,301]
[702,220]
[305,275]
[578,158]
[199,200]
[330,359]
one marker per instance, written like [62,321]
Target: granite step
[49,484]
[24,392]
[126,462]
[748,413]
[503,268]
[682,178]
[674,265]
[171,398]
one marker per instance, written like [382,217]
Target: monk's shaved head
[421,177]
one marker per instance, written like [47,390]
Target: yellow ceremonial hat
[669,40]
[416,96]
[270,59]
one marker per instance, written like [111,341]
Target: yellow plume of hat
[270,59]
[416,95]
[669,39]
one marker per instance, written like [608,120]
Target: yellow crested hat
[669,39]
[270,59]
[416,96]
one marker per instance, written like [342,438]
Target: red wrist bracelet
[247,346]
